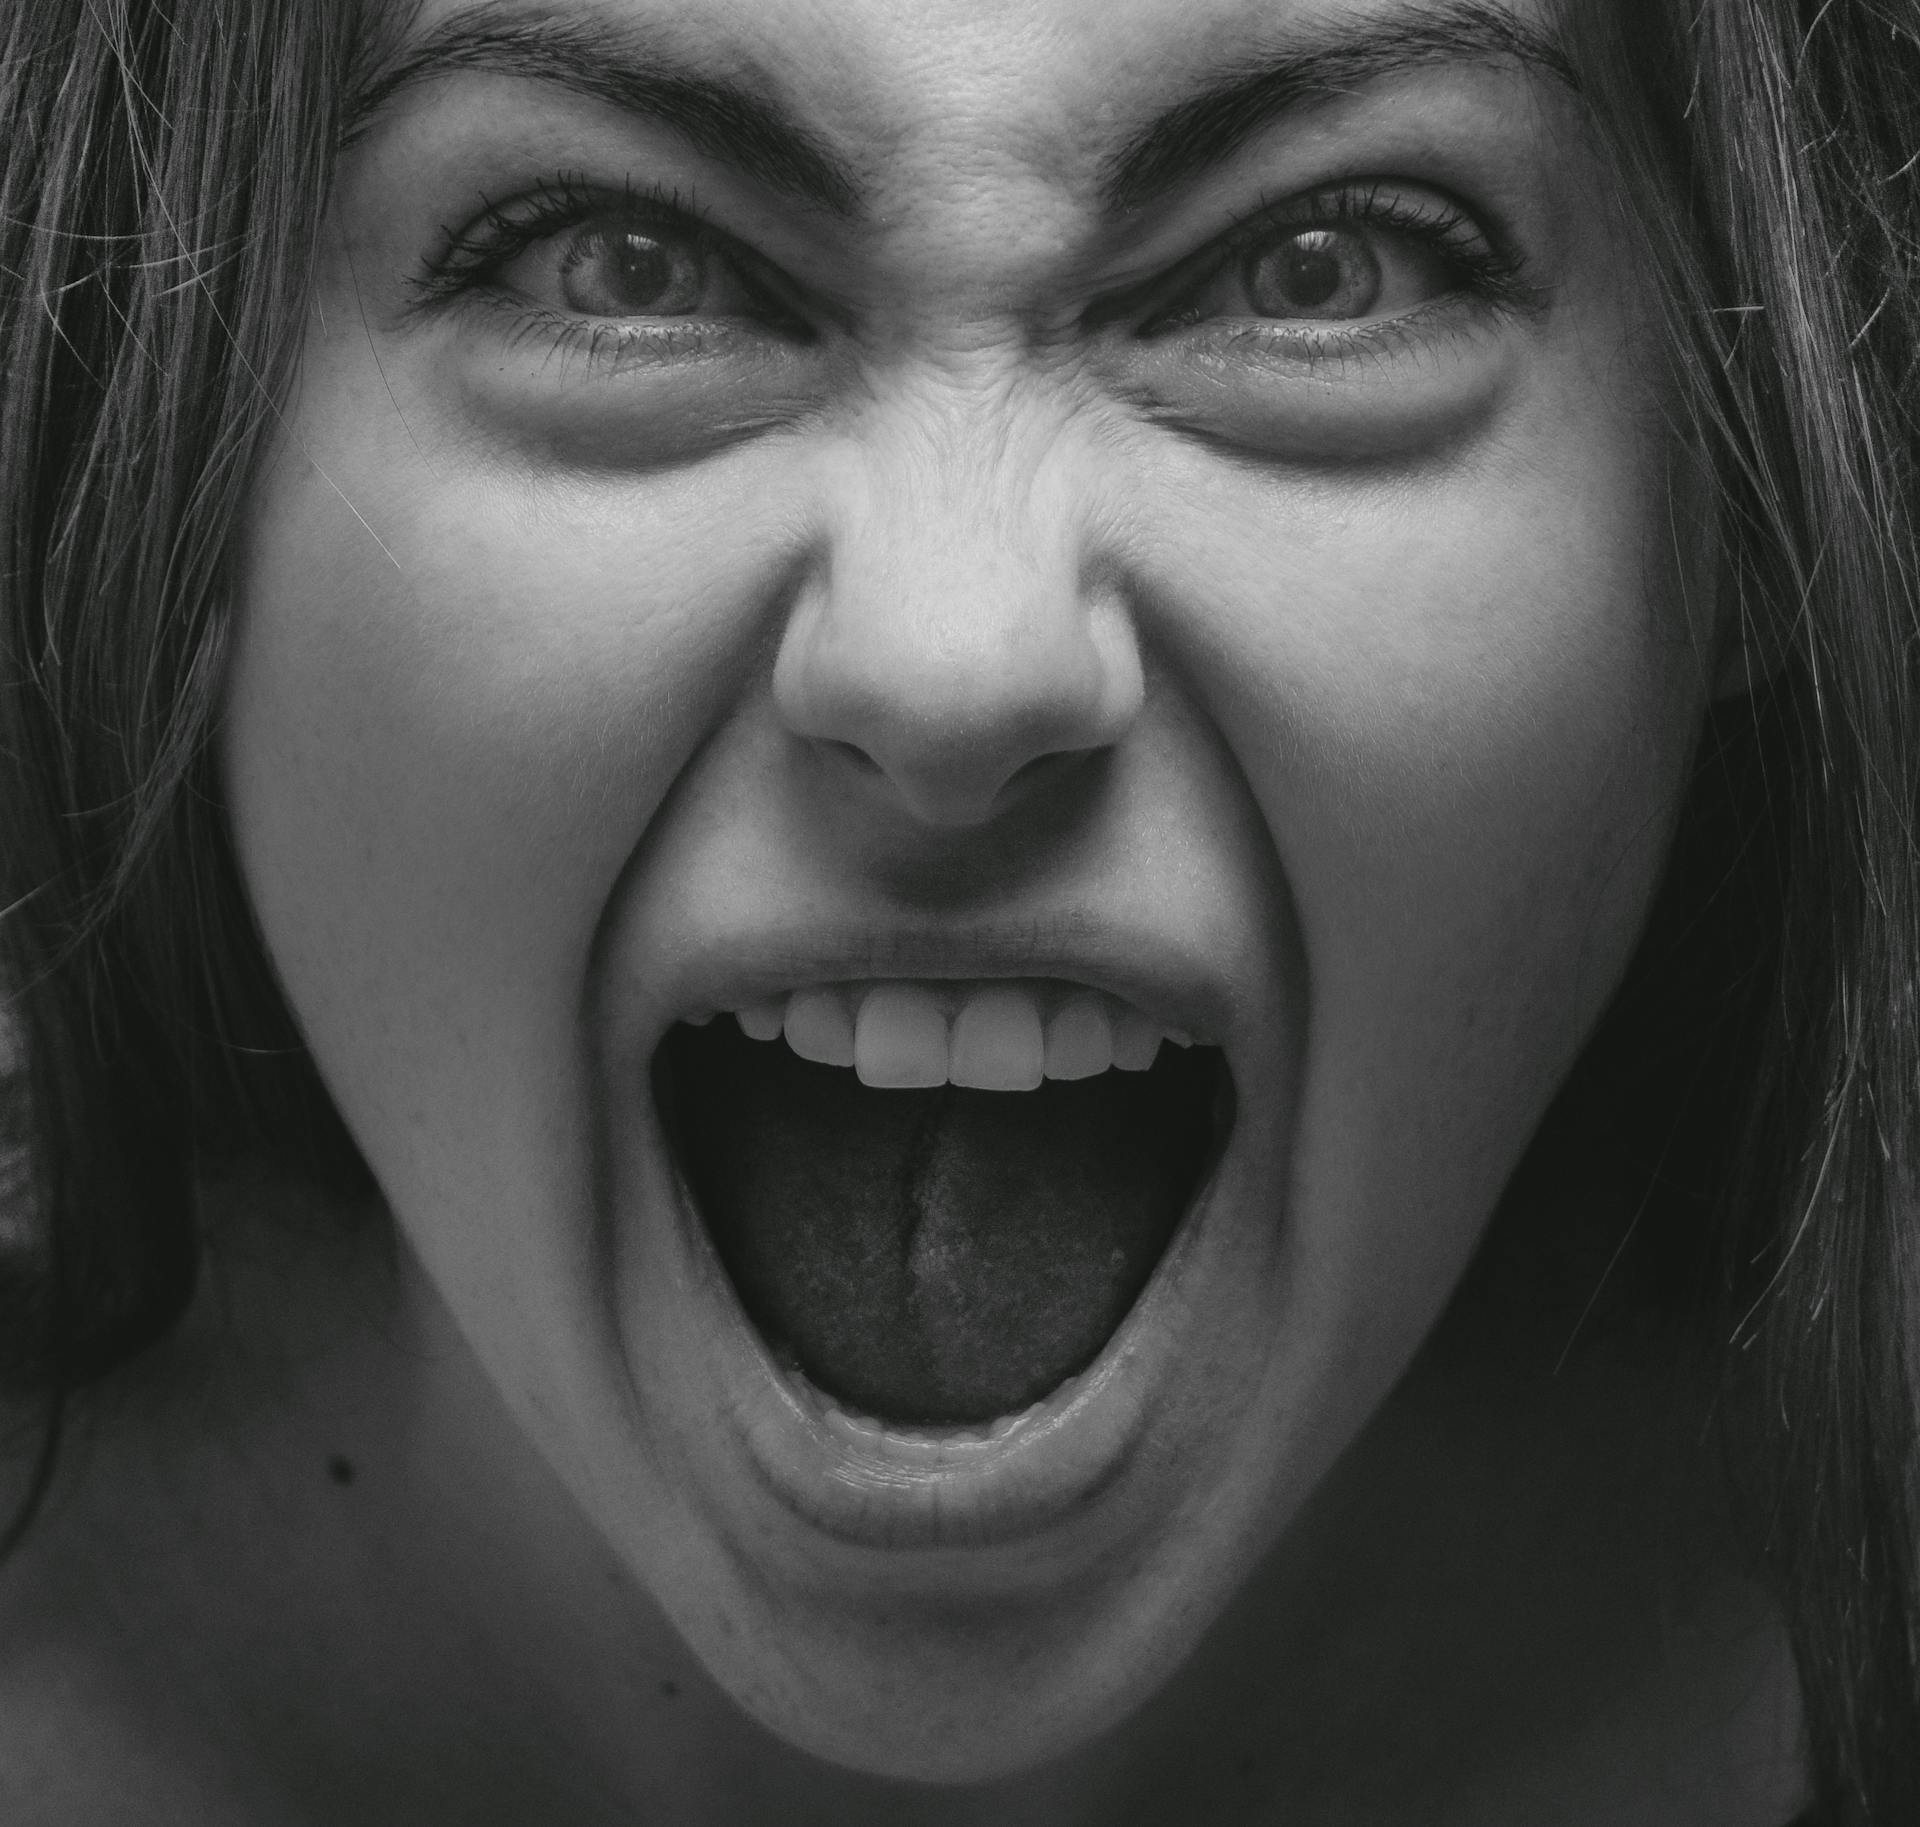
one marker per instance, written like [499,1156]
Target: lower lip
[870,1485]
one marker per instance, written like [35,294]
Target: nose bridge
[962,623]
[965,548]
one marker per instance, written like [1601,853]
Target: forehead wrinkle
[951,101]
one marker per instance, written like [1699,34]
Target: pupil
[1318,272]
[1313,273]
[642,270]
[625,272]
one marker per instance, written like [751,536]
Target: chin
[954,1307]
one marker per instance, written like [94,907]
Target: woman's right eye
[616,266]
[578,256]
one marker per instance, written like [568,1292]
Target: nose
[962,628]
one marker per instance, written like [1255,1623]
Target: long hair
[1791,136]
[160,190]
[161,186]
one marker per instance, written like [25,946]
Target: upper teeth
[992,1037]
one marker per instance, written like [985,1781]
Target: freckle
[670,1690]
[340,1469]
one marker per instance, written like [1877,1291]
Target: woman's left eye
[1315,272]
[616,266]
[1341,272]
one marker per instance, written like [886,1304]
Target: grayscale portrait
[959,913]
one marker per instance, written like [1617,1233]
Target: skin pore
[1166,498]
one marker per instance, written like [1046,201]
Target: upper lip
[1167,978]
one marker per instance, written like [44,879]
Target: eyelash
[469,258]
[1483,266]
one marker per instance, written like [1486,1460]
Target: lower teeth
[941,1257]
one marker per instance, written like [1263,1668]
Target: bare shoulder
[1707,1735]
[1597,1623]
[297,1571]
[1510,1606]
[145,1582]
[93,1727]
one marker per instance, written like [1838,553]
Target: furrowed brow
[718,114]
[1337,59]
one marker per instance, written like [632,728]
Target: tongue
[941,1257]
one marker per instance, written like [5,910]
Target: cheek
[1466,706]
[442,750]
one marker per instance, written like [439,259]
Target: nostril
[851,753]
[964,788]
[1042,771]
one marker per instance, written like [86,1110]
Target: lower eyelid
[1308,330]
[1396,325]
[607,338]
[1303,346]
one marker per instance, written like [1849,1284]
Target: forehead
[902,91]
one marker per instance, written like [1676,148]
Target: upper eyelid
[1298,208]
[1500,263]
[535,214]
[548,208]
[569,197]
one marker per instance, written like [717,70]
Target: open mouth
[938,1201]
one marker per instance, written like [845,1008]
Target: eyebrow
[735,122]
[1337,59]
[724,118]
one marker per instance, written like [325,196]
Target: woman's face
[924,513]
